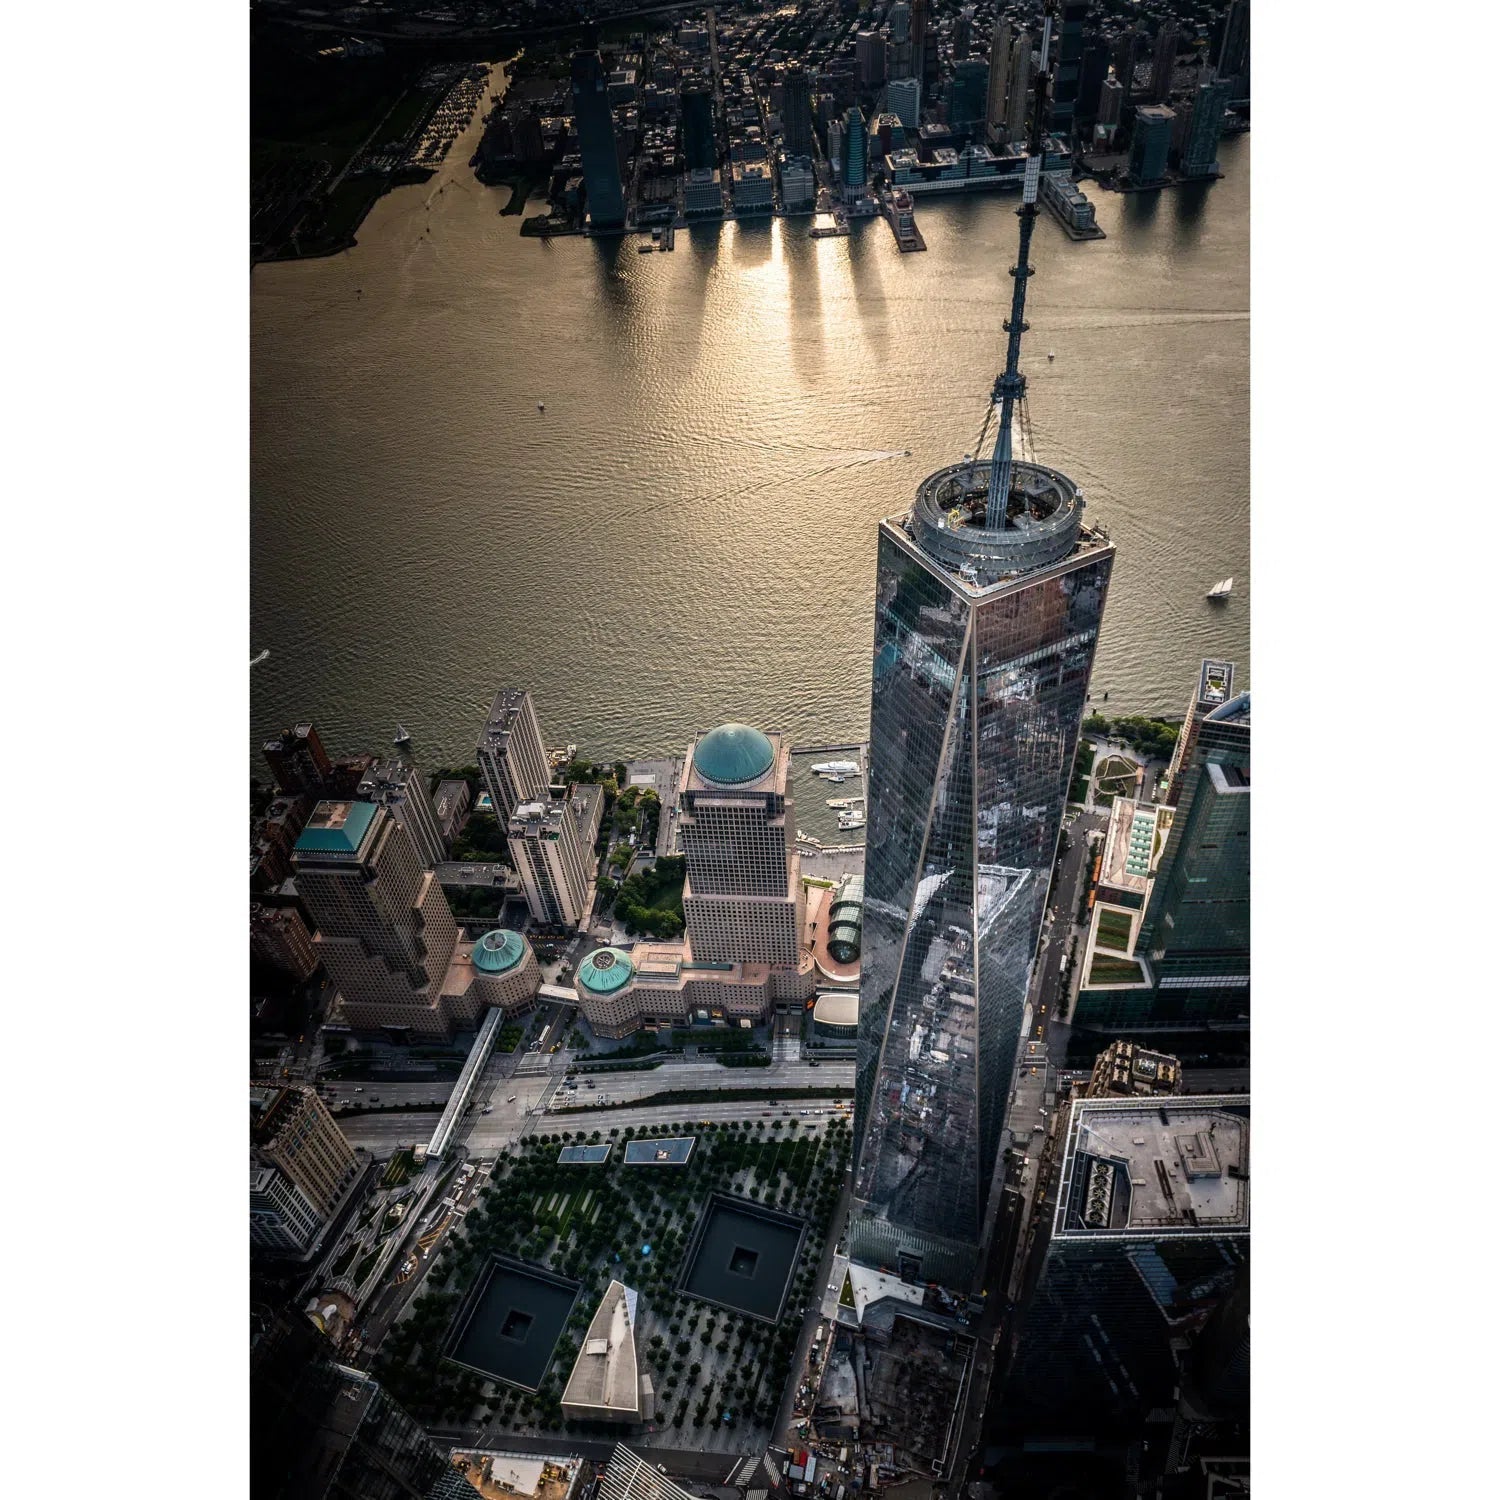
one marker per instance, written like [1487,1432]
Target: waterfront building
[796,112]
[556,868]
[1200,152]
[966,96]
[597,145]
[1067,199]
[1149,1237]
[973,168]
[903,98]
[989,594]
[291,1130]
[752,187]
[385,932]
[856,153]
[742,895]
[1150,141]
[994,108]
[834,147]
[702,193]
[1019,90]
[450,802]
[321,1430]
[699,147]
[799,185]
[512,755]
[1214,688]
[845,918]
[298,760]
[400,788]
[869,57]
[279,937]
[1164,62]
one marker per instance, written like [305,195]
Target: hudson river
[687,533]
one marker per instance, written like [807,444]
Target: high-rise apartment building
[596,143]
[898,18]
[1201,150]
[856,152]
[924,42]
[511,754]
[796,112]
[990,590]
[279,937]
[1019,90]
[1234,47]
[1164,62]
[1068,72]
[963,33]
[320,1430]
[291,1130]
[1149,1237]
[966,96]
[1214,688]
[869,58]
[400,788]
[994,108]
[699,149]
[555,866]
[282,1219]
[1111,104]
[742,897]
[298,760]
[903,98]
[1150,141]
[386,934]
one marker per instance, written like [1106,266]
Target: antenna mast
[1011,386]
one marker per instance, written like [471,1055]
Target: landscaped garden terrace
[590,1223]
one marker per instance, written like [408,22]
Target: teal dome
[733,754]
[605,970]
[498,951]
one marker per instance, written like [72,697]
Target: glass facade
[977,697]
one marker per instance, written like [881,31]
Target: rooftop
[605,1381]
[1237,710]
[1129,845]
[336,828]
[1215,682]
[733,755]
[605,970]
[498,951]
[660,1151]
[1155,1168]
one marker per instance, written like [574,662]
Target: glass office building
[984,642]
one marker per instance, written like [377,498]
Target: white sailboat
[1222,589]
[402,736]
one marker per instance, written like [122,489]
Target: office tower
[899,20]
[1111,104]
[1150,1235]
[994,109]
[796,112]
[400,788]
[556,869]
[298,760]
[742,896]
[856,152]
[279,937]
[903,98]
[596,143]
[1092,73]
[1150,140]
[963,33]
[799,185]
[1020,88]
[385,932]
[291,1130]
[1068,72]
[320,1430]
[699,147]
[511,755]
[1126,46]
[282,1220]
[1234,48]
[869,57]
[1164,62]
[989,595]
[1201,150]
[966,96]
[1195,934]
[1214,688]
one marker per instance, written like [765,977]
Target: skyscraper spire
[1010,386]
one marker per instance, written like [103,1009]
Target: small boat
[541,406]
[1222,589]
[402,737]
[255,661]
[832,768]
[1051,355]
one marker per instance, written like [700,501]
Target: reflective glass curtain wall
[976,702]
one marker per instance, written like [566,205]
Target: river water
[687,533]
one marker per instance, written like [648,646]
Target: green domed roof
[605,970]
[498,951]
[733,754]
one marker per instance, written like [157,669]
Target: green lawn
[1114,929]
[1106,970]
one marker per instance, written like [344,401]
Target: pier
[901,216]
